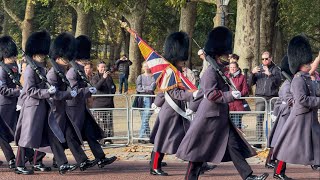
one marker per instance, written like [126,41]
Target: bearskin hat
[176,47]
[64,46]
[219,42]
[38,43]
[285,65]
[7,47]
[299,53]
[83,47]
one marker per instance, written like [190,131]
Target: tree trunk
[221,17]
[136,22]
[83,18]
[187,22]
[2,23]
[278,49]
[118,46]
[73,20]
[111,54]
[244,43]
[257,34]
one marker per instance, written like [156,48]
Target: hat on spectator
[38,43]
[176,47]
[7,47]
[64,46]
[299,53]
[285,65]
[83,47]
[219,42]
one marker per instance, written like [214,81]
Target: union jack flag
[166,75]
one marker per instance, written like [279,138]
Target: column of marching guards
[51,114]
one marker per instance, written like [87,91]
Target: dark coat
[77,109]
[299,140]
[104,86]
[59,102]
[206,139]
[8,100]
[34,121]
[241,84]
[284,102]
[171,127]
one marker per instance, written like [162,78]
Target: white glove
[194,94]
[92,90]
[73,93]
[52,90]
[157,110]
[236,94]
[18,108]
[20,91]
[153,106]
[189,112]
[273,118]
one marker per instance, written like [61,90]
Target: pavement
[132,164]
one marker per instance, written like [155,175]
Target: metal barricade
[114,121]
[142,119]
[253,124]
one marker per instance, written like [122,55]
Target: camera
[261,68]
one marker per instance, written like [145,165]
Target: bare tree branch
[11,14]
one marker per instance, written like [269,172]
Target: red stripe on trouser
[18,155]
[155,160]
[279,167]
[35,157]
[189,170]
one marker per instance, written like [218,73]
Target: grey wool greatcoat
[299,139]
[35,119]
[171,127]
[207,138]
[77,109]
[59,102]
[9,94]
[284,104]
[158,101]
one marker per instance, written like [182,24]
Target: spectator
[189,74]
[233,58]
[103,82]
[267,78]
[240,82]
[122,65]
[145,85]
[88,70]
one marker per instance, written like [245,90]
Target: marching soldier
[299,139]
[77,109]
[212,137]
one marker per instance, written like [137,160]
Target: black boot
[206,167]
[54,163]
[12,164]
[270,165]
[23,170]
[193,170]
[158,172]
[87,164]
[315,167]
[255,177]
[155,166]
[67,167]
[41,167]
[281,176]
[105,161]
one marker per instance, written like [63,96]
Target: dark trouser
[29,153]
[93,143]
[73,144]
[280,168]
[193,170]
[268,160]
[123,79]
[156,159]
[7,149]
[260,106]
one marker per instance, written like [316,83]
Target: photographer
[267,78]
[122,65]
[104,84]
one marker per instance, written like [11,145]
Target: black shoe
[41,167]
[281,176]
[259,146]
[163,164]
[315,167]
[270,165]
[23,170]
[54,164]
[1,162]
[158,172]
[12,164]
[255,177]
[105,161]
[67,167]
[207,167]
[87,164]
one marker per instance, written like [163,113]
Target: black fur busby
[83,47]
[285,65]
[38,43]
[299,53]
[64,46]
[7,47]
[176,47]
[219,42]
